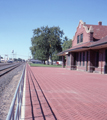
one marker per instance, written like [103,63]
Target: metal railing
[15,108]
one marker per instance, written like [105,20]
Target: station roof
[99,31]
[85,46]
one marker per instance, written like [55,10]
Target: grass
[43,65]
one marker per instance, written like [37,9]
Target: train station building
[89,49]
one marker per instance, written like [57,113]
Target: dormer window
[77,39]
[81,38]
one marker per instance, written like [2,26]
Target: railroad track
[37,96]
[6,69]
[4,64]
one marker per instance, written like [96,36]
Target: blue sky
[19,18]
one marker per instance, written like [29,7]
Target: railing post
[18,101]
[13,114]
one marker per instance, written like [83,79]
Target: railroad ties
[7,68]
[36,106]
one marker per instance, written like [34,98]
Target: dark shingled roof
[99,42]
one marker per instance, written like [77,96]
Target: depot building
[89,49]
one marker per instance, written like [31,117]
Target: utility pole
[5,58]
[13,53]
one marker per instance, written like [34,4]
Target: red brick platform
[60,94]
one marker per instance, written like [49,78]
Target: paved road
[72,95]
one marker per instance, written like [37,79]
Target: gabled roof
[99,31]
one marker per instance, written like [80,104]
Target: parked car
[10,61]
[59,62]
[2,60]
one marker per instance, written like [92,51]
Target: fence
[15,108]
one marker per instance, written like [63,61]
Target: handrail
[14,114]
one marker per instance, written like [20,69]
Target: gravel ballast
[8,85]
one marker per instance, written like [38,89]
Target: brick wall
[100,68]
[86,36]
[90,63]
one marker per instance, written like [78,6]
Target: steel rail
[14,114]
[4,64]
[9,67]
[6,70]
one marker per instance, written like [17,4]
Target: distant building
[89,49]
[35,61]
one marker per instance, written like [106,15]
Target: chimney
[99,23]
[91,36]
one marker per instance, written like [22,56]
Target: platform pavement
[73,95]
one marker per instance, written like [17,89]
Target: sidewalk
[72,95]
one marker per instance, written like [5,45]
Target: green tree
[45,42]
[55,57]
[15,59]
[1,57]
[19,59]
[66,44]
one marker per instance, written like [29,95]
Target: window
[77,39]
[77,58]
[81,40]
[106,57]
[97,59]
[80,58]
[83,58]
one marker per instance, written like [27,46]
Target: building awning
[102,43]
[75,48]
